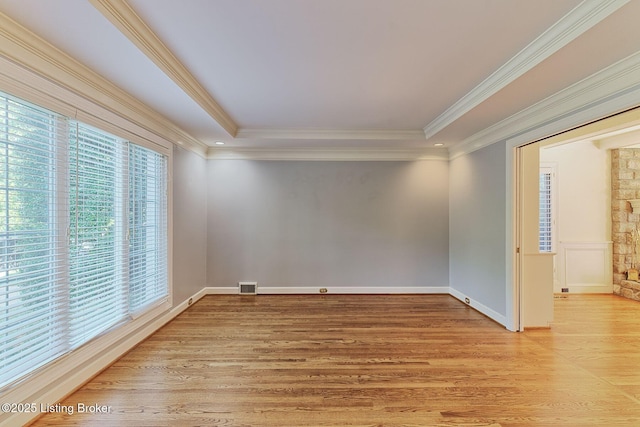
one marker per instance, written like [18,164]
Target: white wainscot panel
[585,267]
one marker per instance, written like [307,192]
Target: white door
[536,266]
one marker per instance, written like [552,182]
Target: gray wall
[189,224]
[327,223]
[477,226]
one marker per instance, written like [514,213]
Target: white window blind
[147,227]
[96,232]
[83,234]
[31,247]
[546,217]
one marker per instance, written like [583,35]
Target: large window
[83,234]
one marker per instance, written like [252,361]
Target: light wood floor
[336,360]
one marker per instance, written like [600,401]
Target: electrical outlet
[323,290]
[565,290]
[190,301]
[467,300]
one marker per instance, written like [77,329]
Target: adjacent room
[337,212]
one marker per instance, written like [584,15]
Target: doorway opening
[579,211]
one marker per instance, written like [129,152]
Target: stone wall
[625,186]
[629,289]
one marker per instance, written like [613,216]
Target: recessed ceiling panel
[344,64]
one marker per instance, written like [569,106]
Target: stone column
[625,183]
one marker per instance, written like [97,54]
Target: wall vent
[248,288]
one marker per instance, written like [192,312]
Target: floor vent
[248,288]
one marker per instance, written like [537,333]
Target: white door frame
[513,286]
[516,240]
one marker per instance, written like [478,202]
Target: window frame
[59,218]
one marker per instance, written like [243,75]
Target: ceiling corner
[120,14]
[569,27]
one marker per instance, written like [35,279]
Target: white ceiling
[337,73]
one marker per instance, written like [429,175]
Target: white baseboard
[228,290]
[588,288]
[59,383]
[499,318]
[63,377]
[185,304]
[288,290]
[354,290]
[282,290]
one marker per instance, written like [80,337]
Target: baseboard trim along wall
[72,371]
[45,390]
[491,314]
[289,290]
[286,290]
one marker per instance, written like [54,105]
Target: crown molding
[319,134]
[611,90]
[120,13]
[328,154]
[35,55]
[569,27]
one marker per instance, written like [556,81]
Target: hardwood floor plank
[372,360]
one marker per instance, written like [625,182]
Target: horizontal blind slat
[29,245]
[83,234]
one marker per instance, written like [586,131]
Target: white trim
[20,46]
[227,290]
[631,136]
[611,90]
[46,70]
[328,154]
[134,28]
[332,134]
[63,377]
[567,268]
[612,101]
[27,85]
[170,240]
[279,290]
[291,290]
[194,298]
[513,319]
[371,290]
[569,27]
[491,314]
[104,351]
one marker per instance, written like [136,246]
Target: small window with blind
[547,220]
[83,234]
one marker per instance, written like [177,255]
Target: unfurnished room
[319,213]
